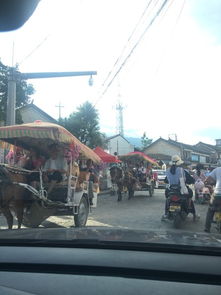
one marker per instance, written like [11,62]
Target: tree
[145,141]
[84,124]
[137,149]
[23,93]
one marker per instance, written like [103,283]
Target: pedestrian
[155,179]
[199,177]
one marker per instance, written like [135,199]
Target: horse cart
[75,195]
[138,176]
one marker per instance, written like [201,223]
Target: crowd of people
[55,170]
[198,177]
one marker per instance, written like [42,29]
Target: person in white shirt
[56,167]
[215,200]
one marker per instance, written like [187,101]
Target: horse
[129,182]
[12,196]
[116,174]
[122,178]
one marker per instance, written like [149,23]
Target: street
[141,212]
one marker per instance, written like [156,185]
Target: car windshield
[81,86]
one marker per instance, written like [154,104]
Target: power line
[175,24]
[38,46]
[128,41]
[166,10]
[133,48]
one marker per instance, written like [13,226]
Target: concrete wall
[120,146]
[162,147]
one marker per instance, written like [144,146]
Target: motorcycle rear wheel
[177,221]
[218,227]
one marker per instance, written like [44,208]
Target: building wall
[164,148]
[119,145]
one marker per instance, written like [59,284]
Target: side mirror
[14,13]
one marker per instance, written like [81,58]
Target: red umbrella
[105,157]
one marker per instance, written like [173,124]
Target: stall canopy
[105,157]
[39,135]
[139,156]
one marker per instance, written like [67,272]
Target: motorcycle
[217,214]
[178,206]
[217,218]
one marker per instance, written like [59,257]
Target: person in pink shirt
[34,163]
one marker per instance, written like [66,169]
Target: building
[163,149]
[214,150]
[31,113]
[119,145]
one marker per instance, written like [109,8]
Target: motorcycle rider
[199,177]
[173,175]
[213,178]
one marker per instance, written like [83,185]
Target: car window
[161,172]
[97,99]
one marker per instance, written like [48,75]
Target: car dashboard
[66,270]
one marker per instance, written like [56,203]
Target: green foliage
[137,149]
[23,93]
[145,141]
[84,124]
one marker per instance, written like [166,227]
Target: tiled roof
[182,145]
[193,148]
[33,106]
[208,147]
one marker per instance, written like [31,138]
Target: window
[194,158]
[202,159]
[187,155]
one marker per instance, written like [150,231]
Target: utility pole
[59,109]
[14,76]
[11,99]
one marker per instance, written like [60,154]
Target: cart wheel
[36,215]
[26,222]
[80,220]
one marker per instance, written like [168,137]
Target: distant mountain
[134,141]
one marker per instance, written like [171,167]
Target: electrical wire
[175,24]
[36,48]
[133,48]
[128,41]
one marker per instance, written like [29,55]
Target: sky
[168,85]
